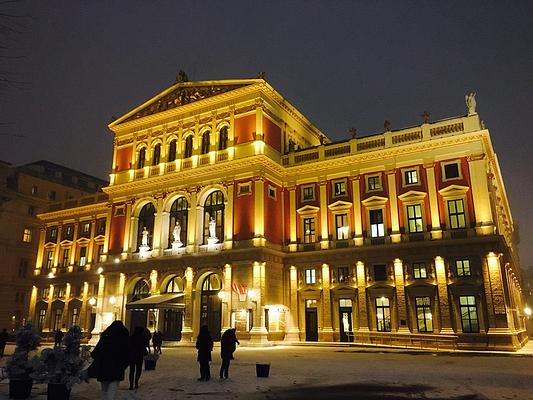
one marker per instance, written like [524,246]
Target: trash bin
[262,370]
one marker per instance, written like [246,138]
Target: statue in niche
[177,232]
[212,228]
[470,100]
[144,240]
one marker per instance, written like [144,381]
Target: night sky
[342,63]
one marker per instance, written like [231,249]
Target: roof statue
[182,77]
[261,75]
[425,117]
[470,100]
[387,125]
[353,131]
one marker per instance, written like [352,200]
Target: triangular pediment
[306,210]
[374,201]
[181,94]
[412,195]
[453,190]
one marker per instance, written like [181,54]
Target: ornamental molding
[412,195]
[375,201]
[453,191]
[340,205]
[75,212]
[308,210]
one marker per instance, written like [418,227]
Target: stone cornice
[98,208]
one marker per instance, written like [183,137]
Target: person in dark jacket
[204,344]
[138,350]
[58,338]
[148,337]
[112,357]
[228,344]
[157,341]
[4,336]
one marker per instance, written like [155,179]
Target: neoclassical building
[228,207]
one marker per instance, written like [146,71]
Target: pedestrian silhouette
[204,344]
[148,337]
[111,356]
[157,341]
[3,340]
[58,338]
[228,344]
[138,350]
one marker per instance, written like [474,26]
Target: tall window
[178,213]
[469,318]
[146,220]
[383,314]
[172,151]
[64,260]
[343,274]
[463,267]
[420,271]
[75,316]
[175,285]
[456,213]
[41,318]
[424,317]
[341,226]
[451,171]
[223,138]
[414,218]
[377,228]
[308,193]
[380,272]
[206,142]
[57,318]
[86,228]
[156,156]
[23,268]
[83,256]
[309,230]
[141,158]
[141,290]
[310,276]
[188,147]
[26,236]
[99,252]
[214,210]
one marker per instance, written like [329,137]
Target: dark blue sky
[342,63]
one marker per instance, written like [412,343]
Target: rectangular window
[451,171]
[31,210]
[414,218]
[49,259]
[456,213]
[244,188]
[469,318]
[341,226]
[339,188]
[424,317]
[463,267]
[45,292]
[420,271]
[52,195]
[100,252]
[52,236]
[309,230]
[343,274]
[23,268]
[310,276]
[65,260]
[380,272]
[272,192]
[26,236]
[69,232]
[41,318]
[377,228]
[34,190]
[75,318]
[57,318]
[86,228]
[383,314]
[308,193]
[374,182]
[411,177]
[100,227]
[83,256]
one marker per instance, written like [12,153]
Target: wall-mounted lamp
[112,300]
[92,301]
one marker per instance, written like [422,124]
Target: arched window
[175,285]
[146,220]
[188,147]
[178,213]
[211,283]
[214,209]
[223,138]
[141,290]
[205,142]
[156,156]
[172,151]
[141,158]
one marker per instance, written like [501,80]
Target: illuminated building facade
[227,207]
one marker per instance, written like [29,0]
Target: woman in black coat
[204,344]
[138,345]
[111,356]
[228,344]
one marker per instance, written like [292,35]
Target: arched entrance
[211,306]
[138,317]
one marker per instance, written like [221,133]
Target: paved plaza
[307,373]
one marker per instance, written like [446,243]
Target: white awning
[167,300]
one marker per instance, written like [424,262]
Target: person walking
[4,336]
[111,356]
[138,350]
[148,337]
[58,338]
[204,345]
[157,341]
[228,344]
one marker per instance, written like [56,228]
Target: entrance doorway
[172,325]
[345,320]
[211,306]
[138,318]
[311,321]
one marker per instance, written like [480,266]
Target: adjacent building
[25,191]
[227,207]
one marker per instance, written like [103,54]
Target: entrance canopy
[160,301]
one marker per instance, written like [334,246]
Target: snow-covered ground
[307,373]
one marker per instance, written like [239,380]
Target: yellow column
[400,296]
[58,247]
[64,316]
[327,329]
[436,231]
[361,297]
[99,323]
[84,323]
[259,212]
[444,303]
[48,321]
[121,297]
[108,231]
[226,299]
[191,218]
[72,259]
[33,302]
[292,215]
[40,252]
[393,200]
[357,220]
[324,243]
[259,134]
[158,226]
[231,133]
[228,223]
[90,246]
[477,166]
[293,333]
[153,282]
[186,330]
[258,332]
[494,294]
